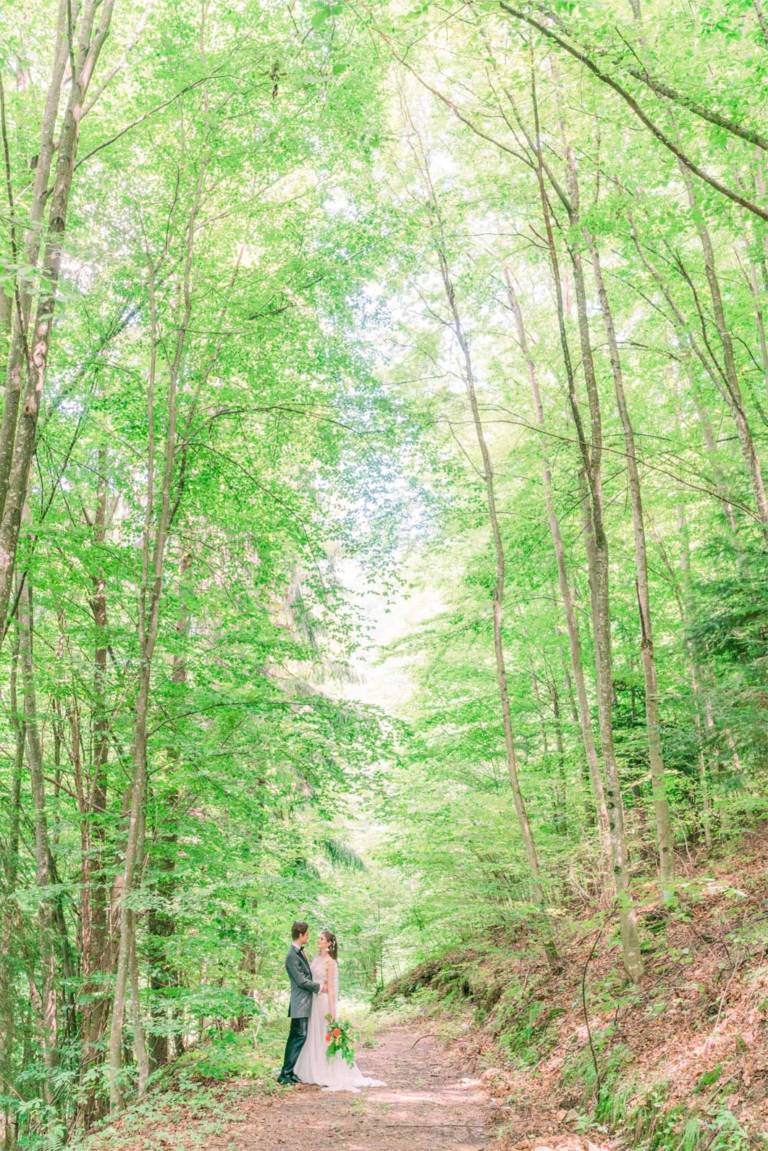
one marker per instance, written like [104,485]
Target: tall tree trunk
[11,920]
[25,281]
[596,544]
[457,327]
[713,370]
[590,815]
[664,836]
[705,723]
[757,299]
[94,912]
[732,390]
[679,576]
[154,542]
[498,641]
[564,583]
[562,805]
[30,343]
[46,930]
[139,1042]
[762,18]
[711,446]
[162,925]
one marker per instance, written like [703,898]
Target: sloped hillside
[680,1061]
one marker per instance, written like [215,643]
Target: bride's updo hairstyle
[333,947]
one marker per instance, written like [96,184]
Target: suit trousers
[297,1037]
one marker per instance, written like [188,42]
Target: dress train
[313,1065]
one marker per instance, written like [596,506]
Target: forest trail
[431,1101]
[427,1103]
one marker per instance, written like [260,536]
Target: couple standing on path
[314,997]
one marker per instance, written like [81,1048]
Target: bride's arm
[333,987]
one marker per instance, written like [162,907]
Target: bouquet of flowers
[339,1039]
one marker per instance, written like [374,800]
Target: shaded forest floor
[428,1101]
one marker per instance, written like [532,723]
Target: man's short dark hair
[299,928]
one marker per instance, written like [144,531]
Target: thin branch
[629,99]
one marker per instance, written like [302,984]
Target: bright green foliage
[263,196]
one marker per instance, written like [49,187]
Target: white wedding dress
[313,1065]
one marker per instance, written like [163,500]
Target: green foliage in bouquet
[338,1036]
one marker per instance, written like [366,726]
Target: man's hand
[324,989]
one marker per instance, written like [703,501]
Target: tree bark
[45,917]
[566,594]
[596,543]
[751,276]
[31,339]
[154,542]
[679,576]
[11,920]
[162,926]
[94,912]
[561,808]
[664,836]
[24,283]
[457,327]
[139,1042]
[733,391]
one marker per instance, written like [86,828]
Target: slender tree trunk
[704,719]
[762,18]
[24,284]
[711,445]
[161,928]
[679,580]
[562,804]
[154,542]
[94,913]
[757,299]
[713,371]
[664,836]
[147,636]
[703,705]
[31,339]
[161,922]
[596,545]
[590,814]
[566,594]
[498,608]
[457,327]
[730,372]
[134,847]
[46,930]
[11,920]
[139,1042]
[546,716]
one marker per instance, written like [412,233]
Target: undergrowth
[204,1084]
[712,940]
[193,1099]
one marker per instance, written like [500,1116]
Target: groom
[302,989]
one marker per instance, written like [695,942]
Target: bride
[313,1065]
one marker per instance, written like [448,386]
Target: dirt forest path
[428,1103]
